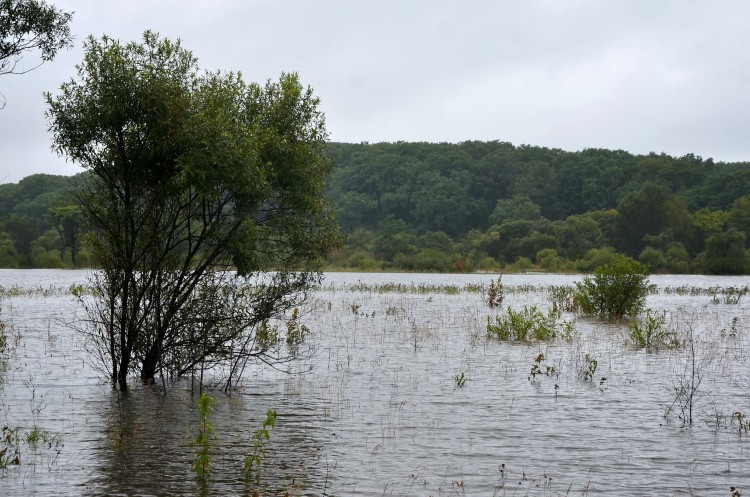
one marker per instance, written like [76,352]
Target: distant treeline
[472,206]
[490,205]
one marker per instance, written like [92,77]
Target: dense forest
[489,205]
[473,206]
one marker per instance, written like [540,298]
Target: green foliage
[725,253]
[590,200]
[260,440]
[295,332]
[537,370]
[519,207]
[617,289]
[202,461]
[191,173]
[563,298]
[587,368]
[266,335]
[31,25]
[651,332]
[525,325]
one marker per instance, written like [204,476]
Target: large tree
[205,197]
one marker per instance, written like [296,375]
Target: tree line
[472,206]
[492,205]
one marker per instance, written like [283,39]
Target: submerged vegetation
[616,289]
[525,325]
[398,361]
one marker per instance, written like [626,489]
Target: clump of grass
[562,298]
[730,296]
[525,325]
[650,332]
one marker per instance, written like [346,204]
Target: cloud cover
[642,76]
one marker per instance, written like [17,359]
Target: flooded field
[399,391]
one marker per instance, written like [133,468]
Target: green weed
[261,436]
[460,380]
[295,332]
[524,325]
[650,332]
[537,368]
[562,298]
[202,462]
[588,368]
[267,336]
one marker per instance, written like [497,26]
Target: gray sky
[639,75]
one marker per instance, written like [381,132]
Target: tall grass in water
[202,462]
[524,325]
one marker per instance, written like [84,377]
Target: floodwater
[396,394]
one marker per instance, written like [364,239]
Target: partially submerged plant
[261,436]
[563,298]
[537,370]
[651,333]
[526,325]
[202,462]
[295,332]
[460,380]
[617,289]
[495,293]
[266,335]
[588,368]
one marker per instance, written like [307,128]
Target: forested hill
[506,202]
[474,205]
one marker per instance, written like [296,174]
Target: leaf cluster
[27,25]
[260,440]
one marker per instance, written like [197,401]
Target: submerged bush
[495,293]
[651,332]
[617,289]
[525,325]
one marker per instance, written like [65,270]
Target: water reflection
[147,445]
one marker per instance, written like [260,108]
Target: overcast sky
[639,75]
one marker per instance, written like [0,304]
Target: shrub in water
[617,289]
[524,325]
[651,332]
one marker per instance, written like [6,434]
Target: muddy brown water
[374,406]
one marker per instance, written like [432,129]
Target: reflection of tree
[147,445]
